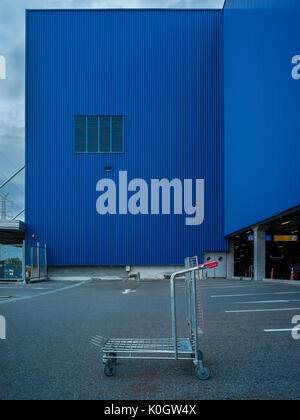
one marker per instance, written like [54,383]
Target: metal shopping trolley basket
[173,348]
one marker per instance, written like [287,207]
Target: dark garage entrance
[282,248]
[243,254]
[283,252]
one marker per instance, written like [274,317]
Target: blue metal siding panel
[261,4]
[262,105]
[160,69]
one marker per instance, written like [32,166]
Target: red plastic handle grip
[212,264]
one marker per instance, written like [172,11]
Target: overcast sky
[12,41]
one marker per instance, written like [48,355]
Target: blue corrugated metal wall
[262,103]
[261,4]
[162,70]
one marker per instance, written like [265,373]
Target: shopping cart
[173,348]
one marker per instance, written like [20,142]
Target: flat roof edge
[217,9]
[13,225]
[270,219]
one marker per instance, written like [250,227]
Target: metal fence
[36,263]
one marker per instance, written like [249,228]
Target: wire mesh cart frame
[173,348]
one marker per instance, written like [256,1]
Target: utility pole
[3,209]
[3,198]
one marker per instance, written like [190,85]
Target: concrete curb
[103,279]
[271,281]
[275,281]
[34,281]
[11,282]
[63,278]
[248,279]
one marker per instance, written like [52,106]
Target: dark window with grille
[99,134]
[80,138]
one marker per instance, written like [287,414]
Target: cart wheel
[203,374]
[110,368]
[114,357]
[200,355]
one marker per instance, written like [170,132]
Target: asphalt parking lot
[248,342]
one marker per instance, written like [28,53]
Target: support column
[24,262]
[230,259]
[259,253]
[38,261]
[46,262]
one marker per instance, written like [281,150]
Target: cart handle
[212,264]
[173,301]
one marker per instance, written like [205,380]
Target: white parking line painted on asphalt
[262,301]
[266,301]
[286,293]
[229,287]
[283,330]
[263,310]
[256,294]
[25,287]
[62,289]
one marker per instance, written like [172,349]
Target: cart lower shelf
[147,348]
[143,347]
